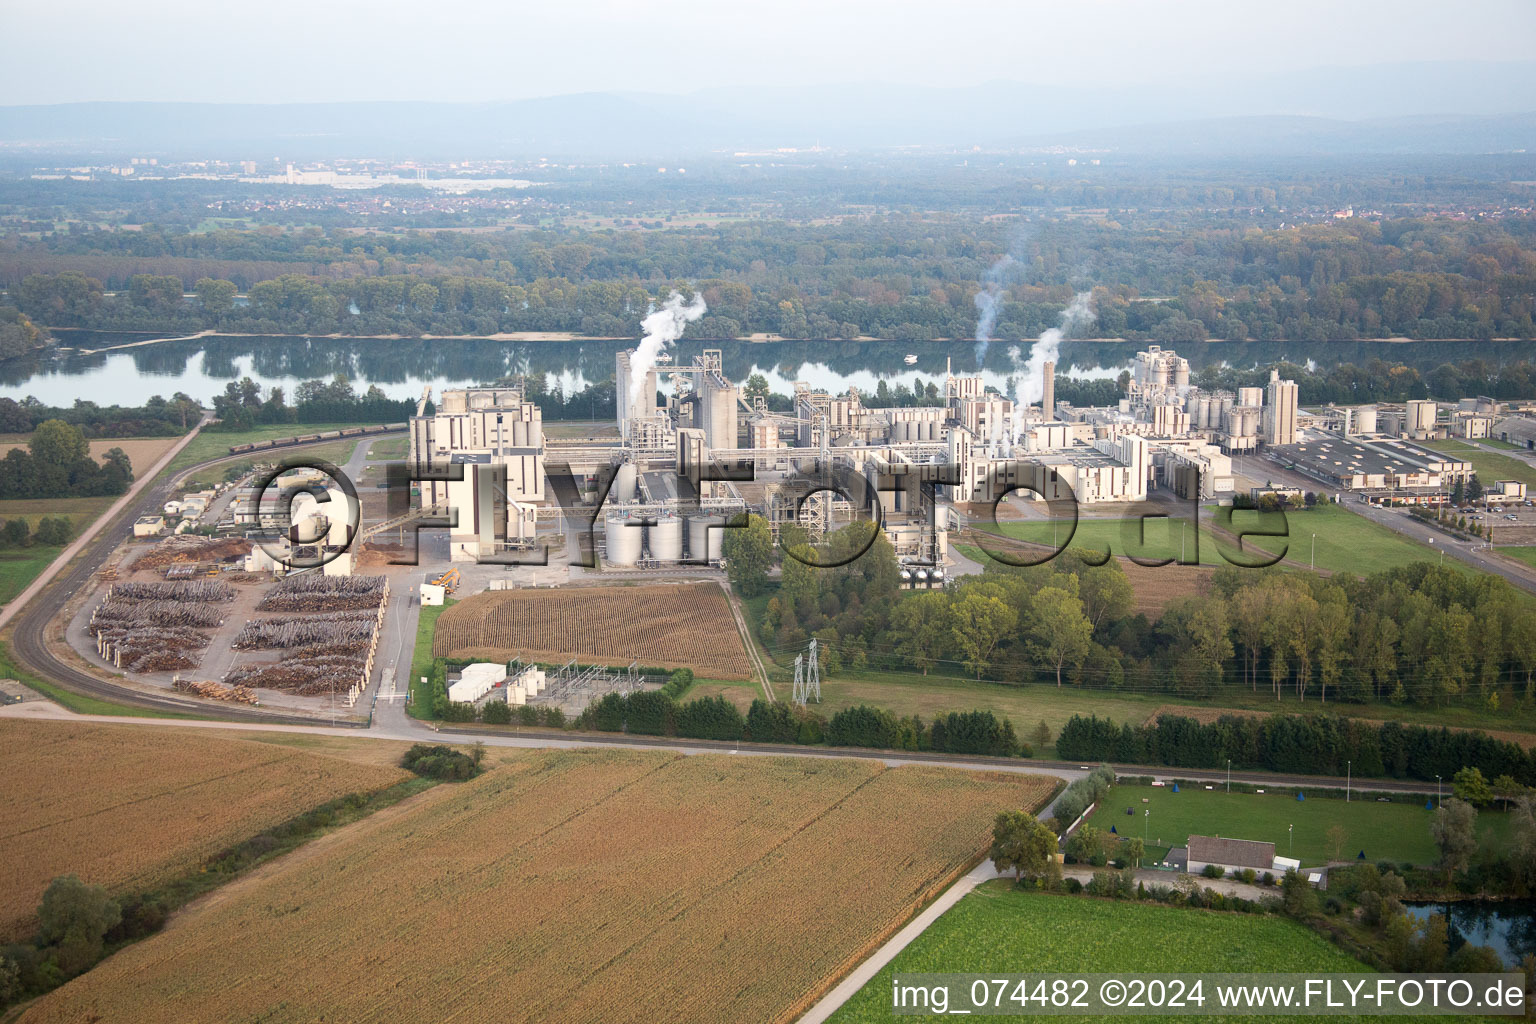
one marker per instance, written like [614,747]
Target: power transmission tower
[807,678]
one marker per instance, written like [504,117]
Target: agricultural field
[1164,538]
[129,806]
[1385,831]
[570,885]
[142,452]
[681,626]
[210,444]
[1000,929]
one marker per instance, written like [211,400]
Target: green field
[1508,446]
[1385,831]
[421,656]
[389,448]
[1520,554]
[1489,466]
[213,444]
[1346,542]
[20,566]
[998,929]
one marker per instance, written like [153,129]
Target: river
[401,368]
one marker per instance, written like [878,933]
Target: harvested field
[686,626]
[575,886]
[130,806]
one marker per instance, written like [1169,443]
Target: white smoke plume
[662,327]
[988,304]
[1030,385]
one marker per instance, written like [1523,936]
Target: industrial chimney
[1048,398]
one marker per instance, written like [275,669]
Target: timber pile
[315,593]
[327,631]
[115,612]
[306,677]
[185,548]
[191,590]
[216,691]
[150,648]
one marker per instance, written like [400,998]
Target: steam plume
[662,327]
[1031,383]
[988,301]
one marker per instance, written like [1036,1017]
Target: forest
[903,277]
[1423,634]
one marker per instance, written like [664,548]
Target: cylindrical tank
[1224,415]
[706,538]
[1365,419]
[906,577]
[624,540]
[624,482]
[666,539]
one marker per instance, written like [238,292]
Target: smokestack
[1048,400]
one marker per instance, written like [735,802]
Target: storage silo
[624,539]
[1365,419]
[624,482]
[706,538]
[666,539]
[1250,396]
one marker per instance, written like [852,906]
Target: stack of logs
[157,627]
[329,638]
[216,691]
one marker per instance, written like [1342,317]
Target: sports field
[128,807]
[574,886]
[1385,831]
[999,929]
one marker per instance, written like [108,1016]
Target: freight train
[329,435]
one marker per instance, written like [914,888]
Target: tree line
[1297,745]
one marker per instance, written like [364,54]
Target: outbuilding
[1229,854]
[149,526]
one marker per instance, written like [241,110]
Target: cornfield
[687,626]
[581,887]
[130,807]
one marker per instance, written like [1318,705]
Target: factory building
[1280,411]
[497,438]
[1156,374]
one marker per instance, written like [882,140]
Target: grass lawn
[740,692]
[1489,466]
[389,448]
[1385,831]
[20,566]
[421,657]
[1346,543]
[1508,446]
[212,444]
[998,929]
[1520,554]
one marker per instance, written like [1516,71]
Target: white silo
[706,538]
[624,482]
[666,539]
[624,539]
[1365,419]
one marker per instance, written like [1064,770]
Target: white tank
[666,539]
[906,576]
[706,538]
[624,482]
[624,540]
[1365,419]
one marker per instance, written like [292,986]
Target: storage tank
[666,539]
[1365,419]
[706,538]
[624,482]
[624,540]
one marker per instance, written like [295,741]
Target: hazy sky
[316,50]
